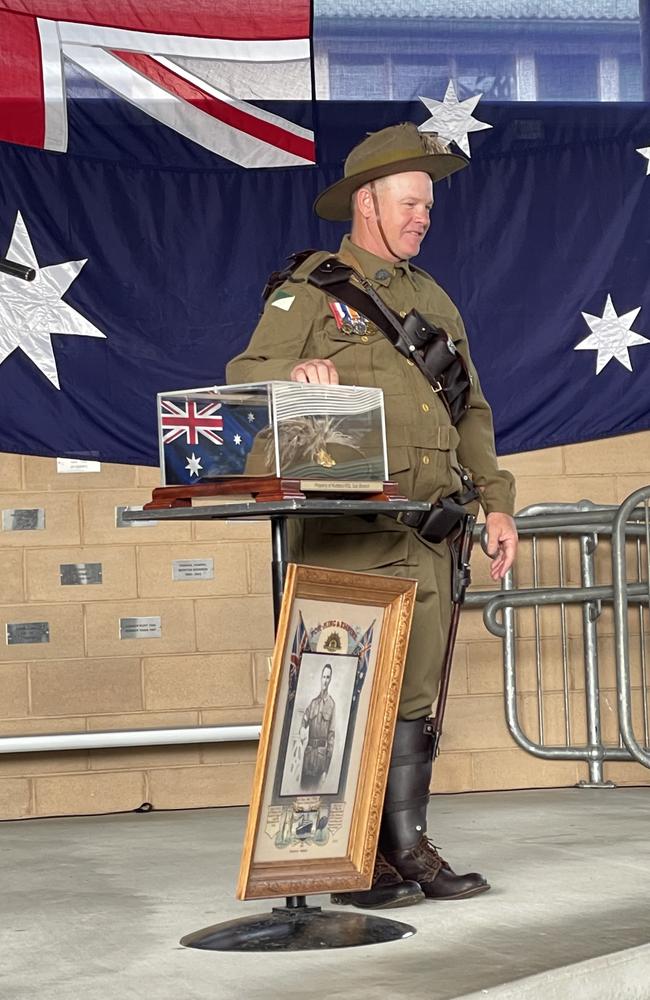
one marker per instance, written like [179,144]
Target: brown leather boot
[388,889]
[404,821]
[437,878]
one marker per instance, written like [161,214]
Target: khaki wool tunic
[424,449]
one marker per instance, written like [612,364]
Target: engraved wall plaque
[193,569]
[23,632]
[77,465]
[23,519]
[74,574]
[121,523]
[141,628]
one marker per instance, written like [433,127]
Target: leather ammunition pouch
[436,355]
[438,523]
[445,517]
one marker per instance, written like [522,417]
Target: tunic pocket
[398,460]
[355,544]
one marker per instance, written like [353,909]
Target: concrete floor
[93,908]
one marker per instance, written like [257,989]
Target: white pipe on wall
[128,738]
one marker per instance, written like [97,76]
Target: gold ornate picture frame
[327,733]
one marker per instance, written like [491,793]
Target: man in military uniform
[318,727]
[307,335]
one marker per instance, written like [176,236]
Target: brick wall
[210,666]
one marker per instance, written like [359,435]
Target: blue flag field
[151,252]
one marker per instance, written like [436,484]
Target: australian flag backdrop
[152,204]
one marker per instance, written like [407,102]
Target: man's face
[325,678]
[405,201]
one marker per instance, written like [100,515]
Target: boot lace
[432,847]
[425,855]
[384,872]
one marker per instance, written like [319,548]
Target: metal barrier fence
[623,594]
[589,526]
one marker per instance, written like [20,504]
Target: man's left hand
[502,542]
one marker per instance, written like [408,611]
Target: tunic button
[425,460]
[364,339]
[402,313]
[411,363]
[425,407]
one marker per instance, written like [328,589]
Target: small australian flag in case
[203,438]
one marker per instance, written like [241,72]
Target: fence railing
[624,593]
[588,525]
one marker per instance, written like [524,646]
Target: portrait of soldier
[317,734]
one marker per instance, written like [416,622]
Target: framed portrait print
[327,733]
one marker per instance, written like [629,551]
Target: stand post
[278,562]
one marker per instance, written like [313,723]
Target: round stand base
[302,928]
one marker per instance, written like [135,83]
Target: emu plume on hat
[394,150]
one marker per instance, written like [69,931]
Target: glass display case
[329,437]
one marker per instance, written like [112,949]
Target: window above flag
[507,50]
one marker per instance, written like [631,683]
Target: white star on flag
[452,119]
[31,311]
[645,151]
[611,336]
[237,439]
[251,417]
[193,464]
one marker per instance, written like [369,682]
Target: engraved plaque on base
[23,519]
[75,574]
[141,628]
[24,632]
[193,569]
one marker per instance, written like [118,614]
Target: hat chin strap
[375,202]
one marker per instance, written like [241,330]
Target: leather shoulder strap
[277,278]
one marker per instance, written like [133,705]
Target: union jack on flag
[192,420]
[197,68]
[300,644]
[363,652]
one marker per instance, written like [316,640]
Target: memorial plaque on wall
[193,569]
[74,574]
[23,519]
[77,465]
[121,523]
[23,632]
[141,628]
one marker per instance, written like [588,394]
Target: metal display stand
[294,926]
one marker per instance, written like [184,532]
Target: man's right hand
[319,370]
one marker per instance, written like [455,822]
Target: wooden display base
[268,488]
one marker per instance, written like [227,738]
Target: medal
[348,320]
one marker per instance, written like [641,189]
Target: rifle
[460,544]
